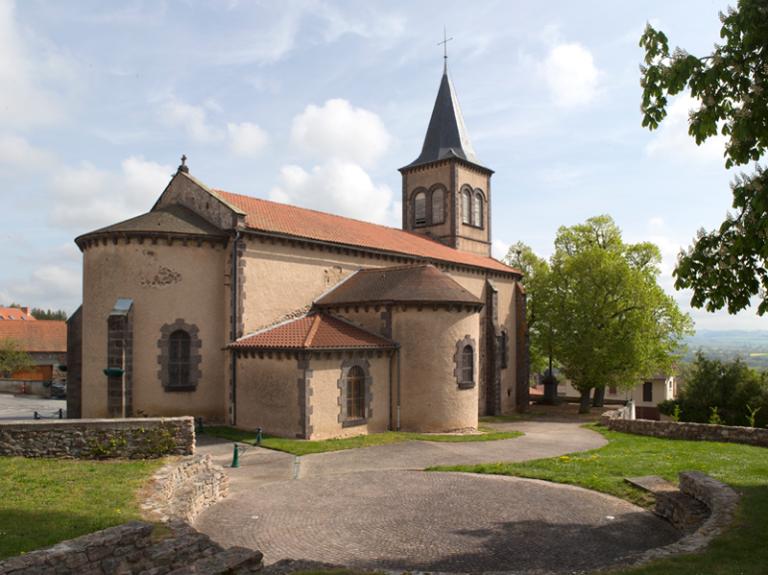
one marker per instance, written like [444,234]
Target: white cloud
[88,197]
[571,75]
[192,119]
[672,140]
[27,96]
[656,222]
[499,248]
[18,153]
[337,187]
[340,131]
[246,139]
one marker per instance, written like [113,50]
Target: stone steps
[681,510]
[235,560]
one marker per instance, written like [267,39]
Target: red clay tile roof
[36,336]
[316,331]
[408,284]
[266,216]
[14,313]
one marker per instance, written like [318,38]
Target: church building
[306,324]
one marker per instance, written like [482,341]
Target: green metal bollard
[235,457]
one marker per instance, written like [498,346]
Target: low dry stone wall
[137,438]
[722,502]
[182,489]
[684,430]
[133,548]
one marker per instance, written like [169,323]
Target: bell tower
[446,191]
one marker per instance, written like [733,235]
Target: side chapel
[306,324]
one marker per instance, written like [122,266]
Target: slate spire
[446,135]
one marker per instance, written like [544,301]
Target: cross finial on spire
[445,41]
[183,167]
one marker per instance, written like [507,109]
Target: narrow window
[503,347]
[438,211]
[477,216]
[466,207]
[648,391]
[356,393]
[467,364]
[613,390]
[420,209]
[179,359]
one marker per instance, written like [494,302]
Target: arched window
[355,393]
[179,359]
[477,207]
[467,364]
[420,209]
[466,207]
[438,203]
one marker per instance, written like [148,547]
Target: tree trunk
[598,398]
[585,402]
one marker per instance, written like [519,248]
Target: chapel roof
[424,284]
[273,217]
[315,331]
[446,135]
[36,336]
[172,219]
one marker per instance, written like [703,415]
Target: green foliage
[46,501]
[39,313]
[535,272]
[739,551]
[305,446]
[714,416]
[728,386]
[13,358]
[598,305]
[728,266]
[752,415]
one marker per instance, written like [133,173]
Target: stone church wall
[268,394]
[431,399]
[325,396]
[166,283]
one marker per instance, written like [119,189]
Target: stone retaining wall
[685,430]
[722,502]
[133,548]
[182,489]
[137,438]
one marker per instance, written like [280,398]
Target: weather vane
[445,41]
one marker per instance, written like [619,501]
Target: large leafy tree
[610,322]
[535,271]
[13,358]
[726,267]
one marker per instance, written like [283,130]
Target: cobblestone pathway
[373,509]
[24,406]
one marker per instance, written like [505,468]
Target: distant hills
[750,345]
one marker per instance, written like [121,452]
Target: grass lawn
[742,550]
[305,447]
[44,501]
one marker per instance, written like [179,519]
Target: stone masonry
[684,430]
[138,438]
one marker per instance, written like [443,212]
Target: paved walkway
[24,406]
[373,508]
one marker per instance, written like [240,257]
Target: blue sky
[318,103]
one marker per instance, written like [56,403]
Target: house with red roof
[303,323]
[46,343]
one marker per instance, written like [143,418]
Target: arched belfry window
[180,356]
[477,210]
[420,209]
[466,207]
[355,393]
[438,206]
[180,359]
[464,359]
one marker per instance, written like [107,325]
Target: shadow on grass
[22,531]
